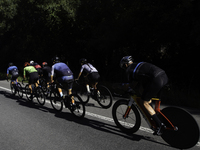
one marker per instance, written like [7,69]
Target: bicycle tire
[20,90]
[118,111]
[104,98]
[78,110]
[28,93]
[187,134]
[82,91]
[40,96]
[12,88]
[56,101]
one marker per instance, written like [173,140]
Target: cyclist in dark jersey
[46,70]
[13,70]
[151,78]
[63,75]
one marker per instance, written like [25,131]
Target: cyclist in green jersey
[33,75]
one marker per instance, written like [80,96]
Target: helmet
[44,64]
[31,62]
[56,59]
[26,64]
[10,64]
[125,60]
[83,60]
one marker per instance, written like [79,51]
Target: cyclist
[63,76]
[91,74]
[37,67]
[151,78]
[46,72]
[33,75]
[13,70]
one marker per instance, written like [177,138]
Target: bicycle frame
[134,100]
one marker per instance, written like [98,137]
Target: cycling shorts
[33,77]
[153,86]
[94,77]
[14,76]
[66,81]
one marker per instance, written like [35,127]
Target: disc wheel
[187,134]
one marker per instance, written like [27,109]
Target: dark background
[165,33]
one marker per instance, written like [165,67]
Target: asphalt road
[25,126]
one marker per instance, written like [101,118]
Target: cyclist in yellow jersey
[33,75]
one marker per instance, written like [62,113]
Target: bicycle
[45,86]
[182,130]
[16,88]
[103,95]
[77,109]
[36,92]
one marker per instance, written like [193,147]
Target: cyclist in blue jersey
[13,70]
[150,79]
[63,75]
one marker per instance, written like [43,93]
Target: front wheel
[104,97]
[129,124]
[187,134]
[28,93]
[40,96]
[78,108]
[20,90]
[56,101]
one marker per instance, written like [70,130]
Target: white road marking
[107,118]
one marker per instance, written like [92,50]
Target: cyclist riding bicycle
[63,75]
[13,70]
[33,75]
[37,67]
[151,78]
[46,72]
[91,74]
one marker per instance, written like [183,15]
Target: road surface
[25,126]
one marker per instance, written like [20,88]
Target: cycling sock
[61,94]
[88,88]
[157,120]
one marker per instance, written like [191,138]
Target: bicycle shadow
[95,124]
[105,127]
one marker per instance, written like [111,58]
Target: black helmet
[10,64]
[83,60]
[56,59]
[125,60]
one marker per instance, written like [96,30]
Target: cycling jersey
[61,69]
[88,68]
[29,69]
[12,70]
[46,71]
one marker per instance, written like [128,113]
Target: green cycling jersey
[29,69]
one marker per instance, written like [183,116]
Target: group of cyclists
[148,76]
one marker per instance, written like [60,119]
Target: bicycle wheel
[132,122]
[187,134]
[78,109]
[40,96]
[12,88]
[104,96]
[20,90]
[82,91]
[28,93]
[56,101]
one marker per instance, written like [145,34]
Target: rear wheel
[187,134]
[12,88]
[28,93]
[40,96]
[20,90]
[129,124]
[78,109]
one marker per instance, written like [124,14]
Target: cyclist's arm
[79,76]
[52,73]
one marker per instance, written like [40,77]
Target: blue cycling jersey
[61,69]
[12,69]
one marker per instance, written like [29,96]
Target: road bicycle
[57,102]
[102,95]
[182,130]
[16,88]
[45,87]
[36,92]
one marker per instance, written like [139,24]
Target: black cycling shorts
[94,77]
[33,77]
[153,86]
